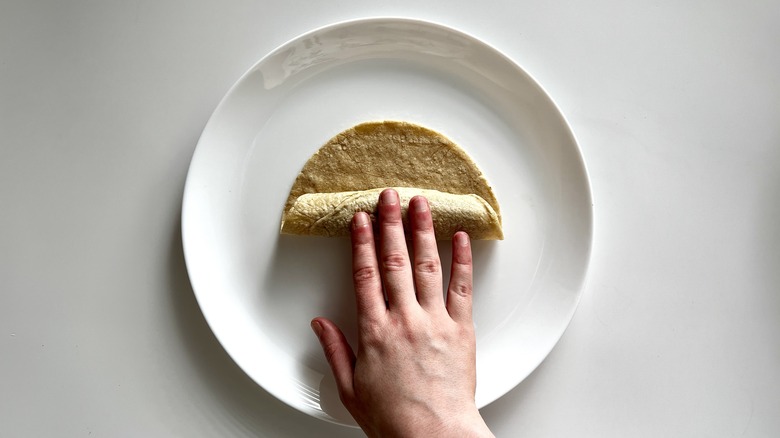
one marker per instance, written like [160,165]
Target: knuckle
[392,220]
[331,350]
[371,334]
[362,236]
[390,215]
[365,275]
[394,261]
[427,266]
[422,222]
[466,335]
[461,288]
[463,260]
[414,330]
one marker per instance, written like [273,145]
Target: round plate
[259,290]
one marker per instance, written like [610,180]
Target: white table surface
[677,109]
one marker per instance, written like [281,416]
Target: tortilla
[329,214]
[374,155]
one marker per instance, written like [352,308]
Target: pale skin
[414,373]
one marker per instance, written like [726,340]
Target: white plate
[258,290]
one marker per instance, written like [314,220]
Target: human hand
[415,369]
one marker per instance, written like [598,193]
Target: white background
[677,109]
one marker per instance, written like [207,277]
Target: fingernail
[420,205]
[316,327]
[389,197]
[360,219]
[462,239]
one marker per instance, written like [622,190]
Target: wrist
[464,423]
[467,423]
[472,426]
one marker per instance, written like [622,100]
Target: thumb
[339,354]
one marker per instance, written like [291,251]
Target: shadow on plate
[247,404]
[308,277]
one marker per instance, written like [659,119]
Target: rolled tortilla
[330,214]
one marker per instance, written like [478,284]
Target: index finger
[365,270]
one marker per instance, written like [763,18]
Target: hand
[415,369]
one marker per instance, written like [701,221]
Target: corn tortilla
[375,155]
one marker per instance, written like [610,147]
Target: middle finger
[427,266]
[394,257]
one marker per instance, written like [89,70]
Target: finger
[426,266]
[339,355]
[365,270]
[394,257]
[459,291]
